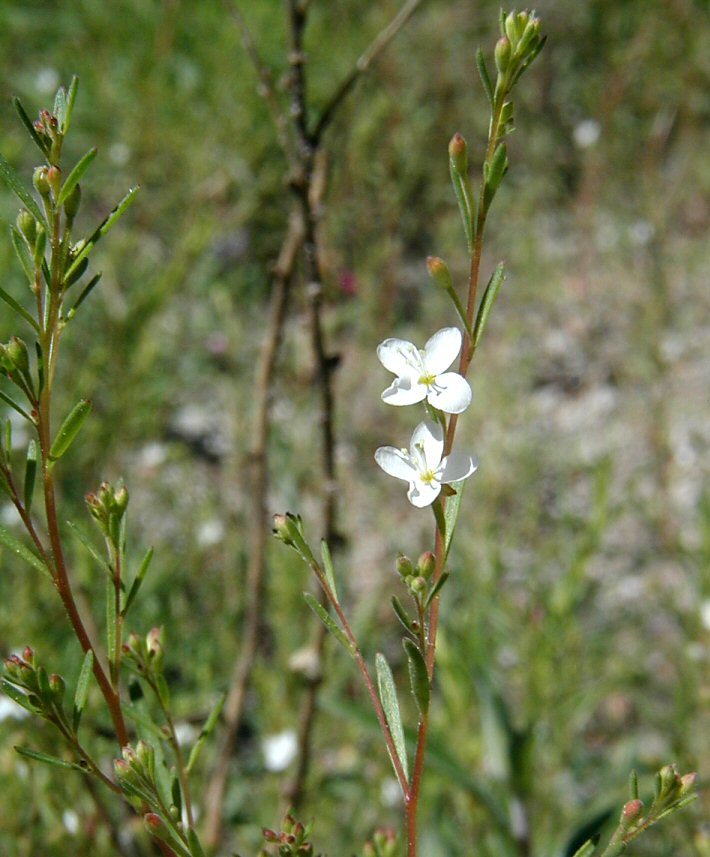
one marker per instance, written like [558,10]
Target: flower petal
[457,466]
[442,349]
[427,441]
[399,356]
[451,393]
[422,494]
[395,462]
[404,391]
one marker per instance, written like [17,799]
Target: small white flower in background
[279,750]
[587,133]
[421,373]
[423,466]
[46,81]
[70,820]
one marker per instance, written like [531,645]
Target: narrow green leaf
[390,704]
[137,581]
[30,474]
[102,229]
[328,621]
[634,785]
[16,695]
[615,850]
[205,732]
[27,122]
[71,98]
[328,567]
[76,175]
[12,180]
[60,106]
[13,404]
[69,429]
[451,515]
[438,586]
[19,309]
[85,293]
[498,167]
[485,76]
[586,850]
[418,676]
[82,688]
[487,302]
[401,614]
[36,756]
[196,849]
[77,274]
[94,553]
[22,551]
[23,254]
[467,207]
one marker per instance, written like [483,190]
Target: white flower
[421,374]
[279,750]
[422,466]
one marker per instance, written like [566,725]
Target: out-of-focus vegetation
[578,614]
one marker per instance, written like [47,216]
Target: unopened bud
[40,244]
[688,783]
[27,225]
[155,826]
[417,584]
[122,769]
[458,153]
[29,655]
[72,203]
[121,499]
[426,564]
[270,835]
[511,29]
[58,686]
[54,177]
[439,272]
[18,354]
[404,566]
[631,812]
[41,181]
[529,36]
[669,780]
[503,52]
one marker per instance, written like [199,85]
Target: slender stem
[179,758]
[49,340]
[362,666]
[412,805]
[243,666]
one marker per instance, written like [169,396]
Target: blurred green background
[578,613]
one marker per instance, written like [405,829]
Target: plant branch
[243,667]
[365,60]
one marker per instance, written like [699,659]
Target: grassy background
[581,569]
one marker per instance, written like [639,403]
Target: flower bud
[54,177]
[120,499]
[58,686]
[511,29]
[41,181]
[72,202]
[631,812]
[426,564]
[503,52]
[155,826]
[17,353]
[458,153]
[439,272]
[404,566]
[29,655]
[270,835]
[688,783]
[417,584]
[40,244]
[529,36]
[27,226]
[669,781]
